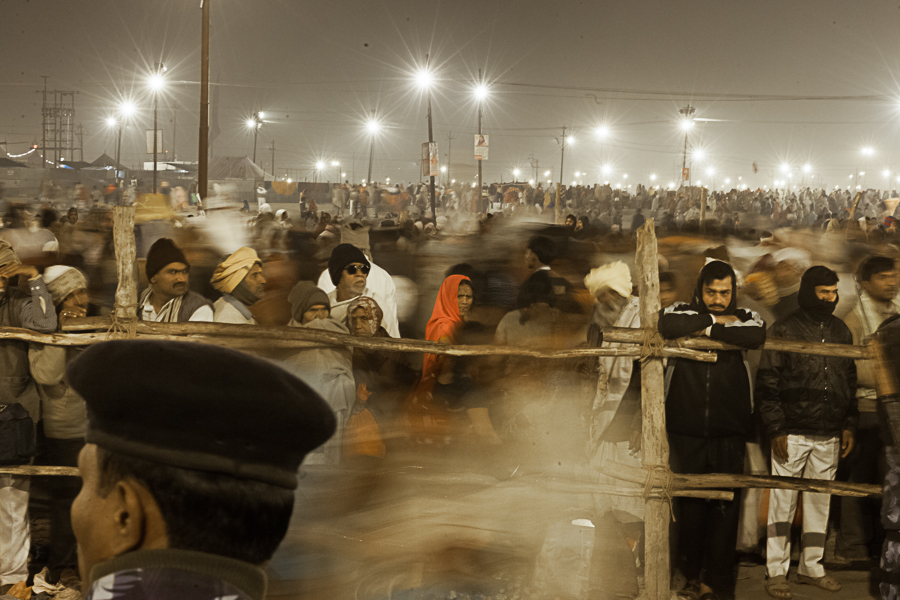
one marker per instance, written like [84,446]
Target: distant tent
[235,167]
[105,161]
[8,163]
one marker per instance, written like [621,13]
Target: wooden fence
[659,483]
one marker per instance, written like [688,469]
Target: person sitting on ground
[164,506]
[240,280]
[169,298]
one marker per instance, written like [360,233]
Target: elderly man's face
[255,281]
[360,323]
[353,280]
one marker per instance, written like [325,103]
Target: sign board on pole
[430,160]
[481,146]
[159,144]
[686,174]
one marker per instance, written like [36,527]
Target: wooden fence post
[126,264]
[655,444]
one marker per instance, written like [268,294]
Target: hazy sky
[790,81]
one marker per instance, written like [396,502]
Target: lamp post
[424,79]
[337,167]
[126,109]
[157,82]
[562,159]
[319,166]
[687,123]
[373,126]
[481,94]
[254,123]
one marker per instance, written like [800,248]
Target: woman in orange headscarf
[451,309]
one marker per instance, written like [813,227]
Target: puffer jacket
[805,393]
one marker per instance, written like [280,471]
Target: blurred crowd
[490,269]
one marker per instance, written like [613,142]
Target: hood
[724,269]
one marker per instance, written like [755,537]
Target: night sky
[800,82]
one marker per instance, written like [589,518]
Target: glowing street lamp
[126,109]
[481,93]
[254,123]
[157,82]
[602,132]
[424,80]
[337,167]
[373,127]
[516,173]
[687,123]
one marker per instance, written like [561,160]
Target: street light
[481,93]
[373,127]
[337,167]
[687,123]
[602,131]
[157,83]
[254,123]
[424,79]
[516,173]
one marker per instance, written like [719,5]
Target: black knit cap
[341,256]
[163,252]
[200,407]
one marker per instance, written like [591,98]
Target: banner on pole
[159,144]
[430,160]
[686,174]
[481,146]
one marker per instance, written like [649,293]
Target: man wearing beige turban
[240,280]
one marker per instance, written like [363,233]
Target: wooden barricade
[660,485]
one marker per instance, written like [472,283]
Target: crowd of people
[810,265]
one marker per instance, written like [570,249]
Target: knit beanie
[304,296]
[163,252]
[341,256]
[62,281]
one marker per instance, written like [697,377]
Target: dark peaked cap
[200,407]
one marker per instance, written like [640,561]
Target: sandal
[778,587]
[825,582]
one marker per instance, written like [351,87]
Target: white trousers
[15,529]
[810,457]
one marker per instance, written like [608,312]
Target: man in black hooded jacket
[708,419]
[808,407]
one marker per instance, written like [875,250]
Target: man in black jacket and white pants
[708,419]
[808,407]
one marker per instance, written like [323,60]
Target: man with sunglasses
[169,299]
[349,270]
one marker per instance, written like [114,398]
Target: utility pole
[480,115]
[449,148]
[274,177]
[119,151]
[430,141]
[203,154]
[174,130]
[44,127]
[155,137]
[80,135]
[688,122]
[562,159]
[371,153]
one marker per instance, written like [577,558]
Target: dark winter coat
[806,393]
[710,399]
